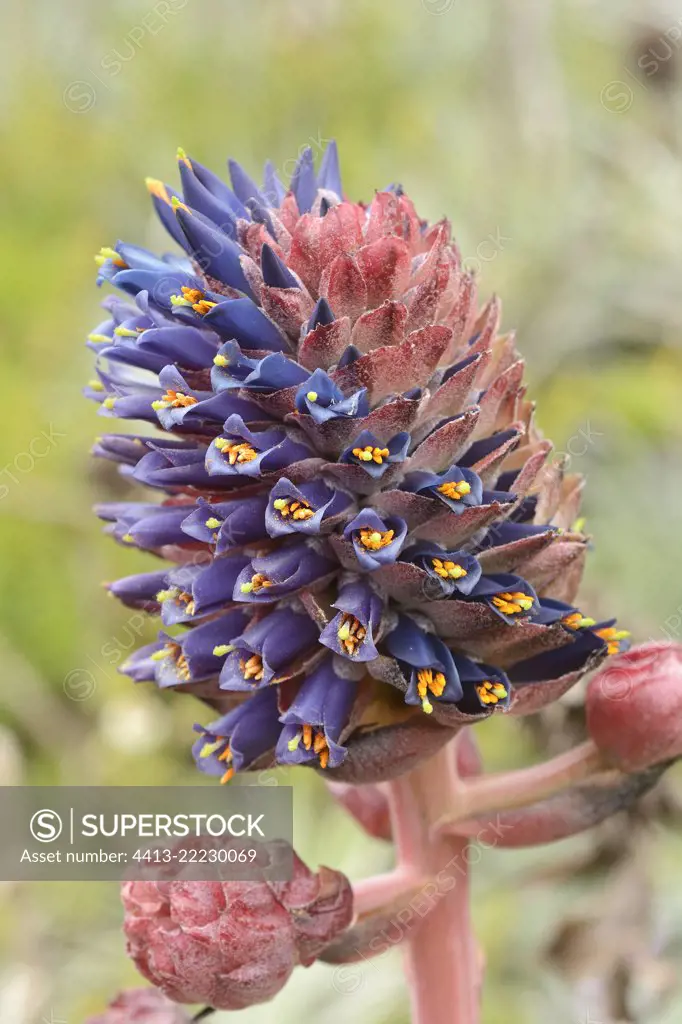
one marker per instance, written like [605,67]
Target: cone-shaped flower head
[232,944]
[369,544]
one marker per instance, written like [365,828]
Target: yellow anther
[109,403]
[258,582]
[99,338]
[577,621]
[513,603]
[213,523]
[107,253]
[312,396]
[125,332]
[448,570]
[222,649]
[295,742]
[296,509]
[491,692]
[176,400]
[128,538]
[374,540]
[229,774]
[96,385]
[236,451]
[455,490]
[253,668]
[370,453]
[210,748]
[177,204]
[351,634]
[221,361]
[429,681]
[613,637]
[183,156]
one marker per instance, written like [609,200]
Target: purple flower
[306,509]
[376,541]
[243,452]
[320,398]
[374,457]
[266,649]
[351,633]
[317,719]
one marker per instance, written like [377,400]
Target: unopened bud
[634,707]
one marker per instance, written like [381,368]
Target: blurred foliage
[540,131]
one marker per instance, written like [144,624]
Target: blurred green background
[551,135]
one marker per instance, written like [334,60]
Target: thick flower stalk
[369,547]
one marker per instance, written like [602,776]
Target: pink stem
[442,967]
[372,893]
[507,790]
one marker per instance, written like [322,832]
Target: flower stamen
[258,582]
[174,400]
[253,668]
[448,570]
[300,510]
[613,637]
[576,620]
[491,692]
[370,453]
[374,540]
[513,603]
[429,680]
[455,490]
[351,633]
[236,451]
[194,298]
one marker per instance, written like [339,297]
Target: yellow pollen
[107,253]
[99,338]
[210,748]
[213,523]
[183,157]
[295,742]
[577,621]
[158,189]
[312,396]
[222,649]
[125,332]
[252,669]
[258,583]
[432,681]
[96,385]
[374,541]
[491,692]
[194,298]
[513,603]
[109,403]
[613,637]
[128,538]
[351,633]
[221,360]
[455,490]
[167,595]
[177,400]
[177,204]
[296,509]
[370,453]
[448,570]
[236,451]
